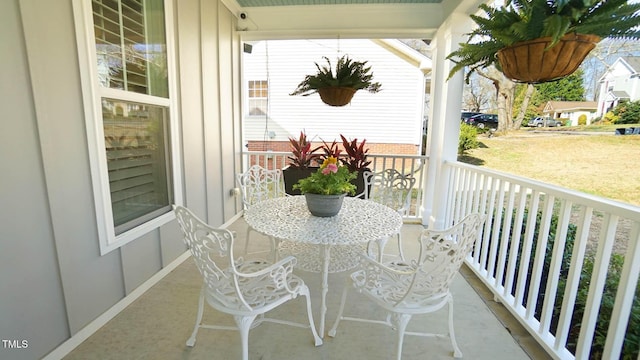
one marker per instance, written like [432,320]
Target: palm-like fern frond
[522,20]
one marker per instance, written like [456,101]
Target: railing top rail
[287,153]
[625,210]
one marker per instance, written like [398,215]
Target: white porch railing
[379,162]
[551,270]
[556,271]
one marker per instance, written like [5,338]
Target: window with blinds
[131,57]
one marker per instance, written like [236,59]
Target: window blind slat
[133,193]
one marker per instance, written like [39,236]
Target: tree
[505,95]
[478,96]
[570,88]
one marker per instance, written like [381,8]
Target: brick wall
[374,148]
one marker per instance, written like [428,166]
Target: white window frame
[92,94]
[249,98]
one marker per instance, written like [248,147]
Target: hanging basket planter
[528,62]
[336,96]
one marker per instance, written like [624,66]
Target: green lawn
[603,165]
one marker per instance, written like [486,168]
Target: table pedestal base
[345,257]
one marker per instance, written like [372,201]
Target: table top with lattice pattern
[359,221]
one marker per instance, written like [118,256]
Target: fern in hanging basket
[337,89]
[519,21]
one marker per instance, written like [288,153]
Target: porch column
[444,119]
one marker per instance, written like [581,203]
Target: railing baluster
[505,239]
[598,279]
[526,248]
[573,279]
[556,264]
[541,250]
[624,297]
[481,206]
[515,245]
[495,238]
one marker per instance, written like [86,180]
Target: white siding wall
[619,77]
[575,116]
[393,115]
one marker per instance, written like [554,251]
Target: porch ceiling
[274,19]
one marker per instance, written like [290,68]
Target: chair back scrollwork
[390,188]
[258,183]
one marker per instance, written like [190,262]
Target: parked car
[539,121]
[482,121]
[466,115]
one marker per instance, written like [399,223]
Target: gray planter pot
[324,205]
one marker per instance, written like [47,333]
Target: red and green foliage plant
[357,154]
[302,153]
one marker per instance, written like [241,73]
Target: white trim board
[66,347]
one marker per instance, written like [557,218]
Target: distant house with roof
[391,120]
[620,83]
[571,110]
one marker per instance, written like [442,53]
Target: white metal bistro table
[358,222]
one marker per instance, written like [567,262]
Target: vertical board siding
[28,259]
[71,285]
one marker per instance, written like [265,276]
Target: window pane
[258,95]
[136,139]
[131,45]
[257,107]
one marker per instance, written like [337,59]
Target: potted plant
[325,188]
[539,40]
[302,161]
[330,150]
[356,160]
[338,89]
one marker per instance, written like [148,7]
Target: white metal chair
[420,286]
[391,188]
[258,184]
[245,290]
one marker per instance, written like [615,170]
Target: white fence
[545,253]
[403,163]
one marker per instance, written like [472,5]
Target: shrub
[582,119]
[610,118]
[468,138]
[627,113]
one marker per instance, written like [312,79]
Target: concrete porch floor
[157,325]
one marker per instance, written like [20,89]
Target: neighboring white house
[273,69]
[620,83]
[570,110]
